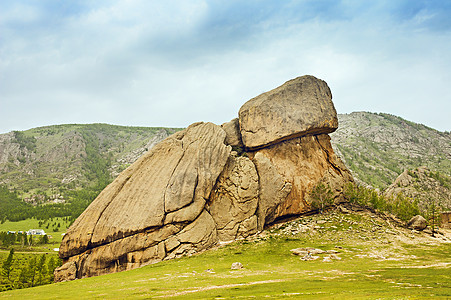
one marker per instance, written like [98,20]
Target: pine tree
[321,197]
[7,264]
[433,215]
[31,270]
[40,268]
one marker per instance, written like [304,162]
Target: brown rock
[68,271]
[302,106]
[235,198]
[274,189]
[191,190]
[303,163]
[236,266]
[418,223]
[170,181]
[233,135]
[201,233]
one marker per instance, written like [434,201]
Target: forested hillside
[57,171]
[41,164]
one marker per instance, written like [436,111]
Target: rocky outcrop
[377,147]
[193,190]
[427,187]
[291,169]
[234,201]
[300,107]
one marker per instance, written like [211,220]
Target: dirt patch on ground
[214,287]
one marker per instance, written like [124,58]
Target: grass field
[378,261]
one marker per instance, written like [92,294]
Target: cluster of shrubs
[402,207]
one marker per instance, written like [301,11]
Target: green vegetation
[379,147]
[54,228]
[321,197]
[96,165]
[22,270]
[61,169]
[25,141]
[373,264]
[54,160]
[13,209]
[402,207]
[29,260]
[443,179]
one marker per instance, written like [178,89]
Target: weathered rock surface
[234,200]
[169,184]
[418,223]
[191,191]
[423,185]
[301,106]
[233,135]
[274,189]
[298,165]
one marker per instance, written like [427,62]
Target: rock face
[423,185]
[192,190]
[302,106]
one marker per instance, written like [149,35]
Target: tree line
[12,208]
[27,270]
[400,206]
[8,239]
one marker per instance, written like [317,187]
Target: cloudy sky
[172,63]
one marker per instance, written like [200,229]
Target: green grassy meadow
[378,261]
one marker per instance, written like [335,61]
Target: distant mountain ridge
[378,147]
[41,163]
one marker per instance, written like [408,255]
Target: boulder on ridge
[418,223]
[299,107]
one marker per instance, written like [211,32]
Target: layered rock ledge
[210,183]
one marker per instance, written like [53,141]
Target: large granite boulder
[292,169]
[210,184]
[301,106]
[168,185]
[234,200]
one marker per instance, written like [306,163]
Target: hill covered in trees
[56,171]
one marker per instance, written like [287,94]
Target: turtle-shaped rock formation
[210,183]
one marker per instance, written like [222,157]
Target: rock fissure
[209,184]
[329,160]
[169,182]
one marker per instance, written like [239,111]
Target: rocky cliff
[210,183]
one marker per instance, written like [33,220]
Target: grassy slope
[378,261]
